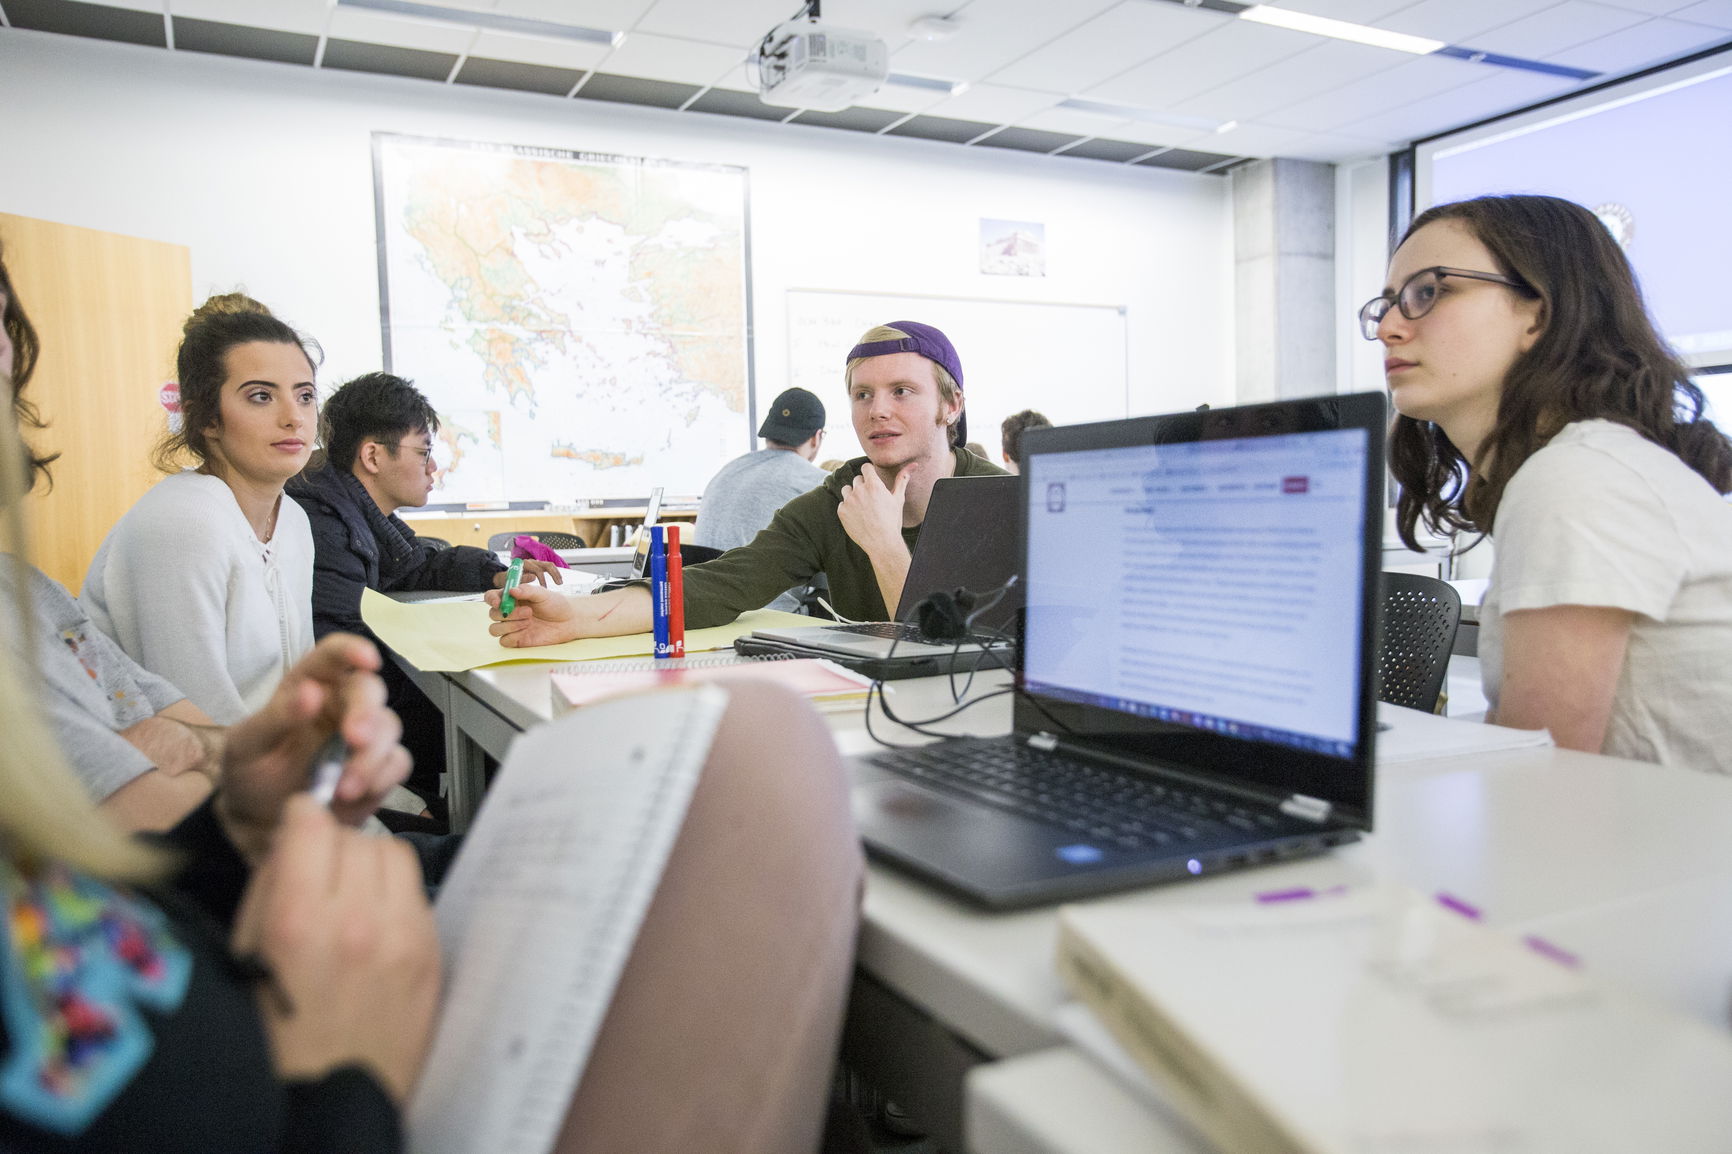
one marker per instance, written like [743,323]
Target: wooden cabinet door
[109,310]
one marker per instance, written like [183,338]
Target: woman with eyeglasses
[1538,404]
[208,580]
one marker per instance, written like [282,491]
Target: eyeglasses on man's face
[1418,293]
[425,452]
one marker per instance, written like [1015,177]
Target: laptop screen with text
[1224,591]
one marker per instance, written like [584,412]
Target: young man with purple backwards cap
[858,527]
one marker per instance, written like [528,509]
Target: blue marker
[512,576]
[660,601]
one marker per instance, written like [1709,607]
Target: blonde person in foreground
[858,527]
[1539,404]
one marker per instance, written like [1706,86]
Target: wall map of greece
[580,321]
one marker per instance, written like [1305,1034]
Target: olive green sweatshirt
[803,539]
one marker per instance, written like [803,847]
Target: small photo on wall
[1012,248]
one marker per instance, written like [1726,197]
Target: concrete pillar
[1284,278]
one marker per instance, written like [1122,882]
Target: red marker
[676,596]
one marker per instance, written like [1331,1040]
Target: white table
[1622,863]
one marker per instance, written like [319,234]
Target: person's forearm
[177,744]
[155,801]
[613,614]
[890,567]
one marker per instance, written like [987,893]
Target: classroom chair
[552,538]
[1420,615]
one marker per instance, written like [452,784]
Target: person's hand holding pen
[533,571]
[543,617]
[333,689]
[336,929]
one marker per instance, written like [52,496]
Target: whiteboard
[1065,360]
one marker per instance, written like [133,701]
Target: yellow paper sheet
[450,636]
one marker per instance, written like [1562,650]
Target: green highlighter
[512,576]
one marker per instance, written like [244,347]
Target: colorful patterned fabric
[81,957]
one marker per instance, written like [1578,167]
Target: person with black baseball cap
[740,499]
[858,528]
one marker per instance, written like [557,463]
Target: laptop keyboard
[1099,802]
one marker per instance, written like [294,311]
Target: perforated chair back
[552,538]
[1419,619]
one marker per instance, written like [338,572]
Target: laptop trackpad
[965,843]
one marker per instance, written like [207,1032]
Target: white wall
[264,171]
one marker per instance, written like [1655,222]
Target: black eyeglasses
[426,454]
[1419,292]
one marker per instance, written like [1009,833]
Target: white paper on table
[539,912]
[1416,736]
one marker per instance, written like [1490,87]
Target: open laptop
[968,541]
[1198,695]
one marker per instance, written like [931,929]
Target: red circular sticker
[169,396]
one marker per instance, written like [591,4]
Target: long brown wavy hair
[25,351]
[1597,356]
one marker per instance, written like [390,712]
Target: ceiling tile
[306,16]
[1185,159]
[1153,135]
[1459,21]
[941,128]
[1313,72]
[1081,123]
[851,119]
[727,102]
[615,15]
[1261,140]
[1504,92]
[1117,151]
[517,76]
[1717,13]
[1237,48]
[1335,148]
[548,53]
[1356,11]
[96,21]
[1421,77]
[1120,38]
[664,58]
[993,103]
[1652,7]
[736,23]
[221,39]
[1555,29]
[400,31]
[387,60]
[1649,43]
[993,33]
[1027,140]
[614,89]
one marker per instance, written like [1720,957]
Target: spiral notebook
[539,913]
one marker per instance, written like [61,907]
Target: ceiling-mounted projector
[806,64]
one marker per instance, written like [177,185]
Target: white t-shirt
[1603,517]
[189,591]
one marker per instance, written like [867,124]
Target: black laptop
[1196,689]
[968,541]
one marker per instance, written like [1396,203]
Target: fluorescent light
[1227,127]
[927,83]
[1146,115]
[1340,29]
[518,25]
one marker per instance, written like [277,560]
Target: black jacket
[357,546]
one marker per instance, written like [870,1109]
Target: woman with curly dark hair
[1538,404]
